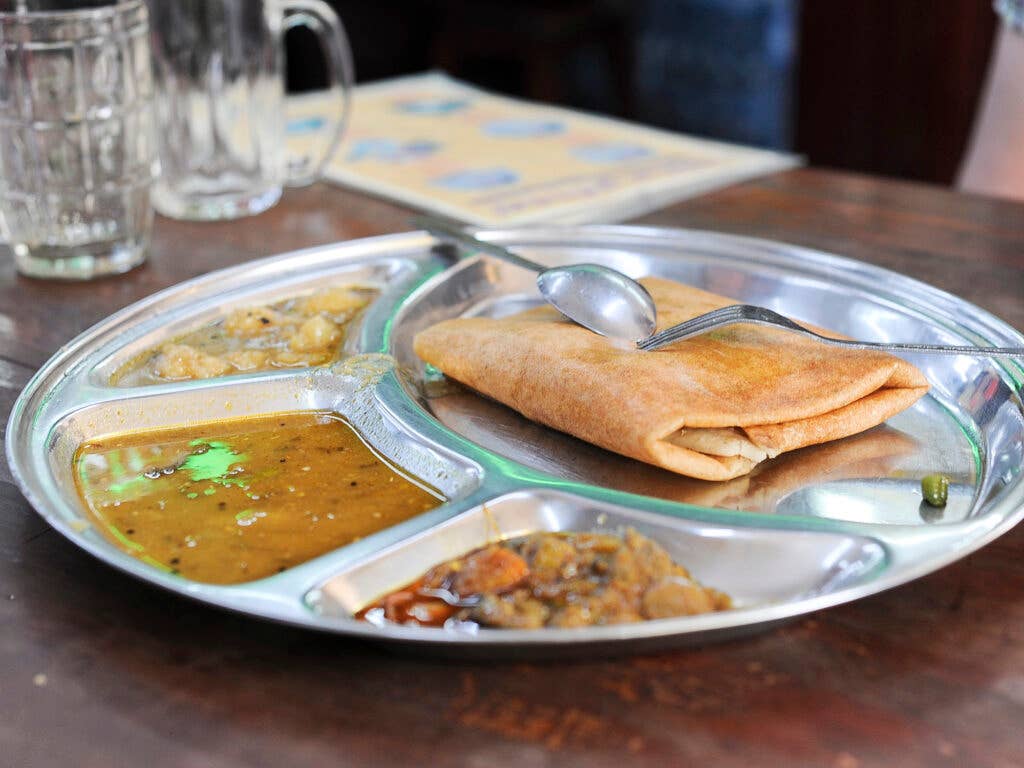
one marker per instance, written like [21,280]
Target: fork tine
[677,333]
[695,326]
[703,321]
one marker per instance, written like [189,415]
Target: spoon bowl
[599,298]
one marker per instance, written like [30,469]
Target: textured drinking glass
[77,136]
[221,102]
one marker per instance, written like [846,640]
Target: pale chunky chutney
[299,332]
[239,500]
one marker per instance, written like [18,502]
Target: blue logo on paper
[391,151]
[477,179]
[439,106]
[305,125]
[518,128]
[610,153]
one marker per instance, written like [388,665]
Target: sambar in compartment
[233,501]
[298,332]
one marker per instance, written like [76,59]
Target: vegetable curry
[565,579]
[299,332]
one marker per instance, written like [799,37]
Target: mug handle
[320,18]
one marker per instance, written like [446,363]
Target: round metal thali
[805,531]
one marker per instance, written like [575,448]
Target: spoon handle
[449,231]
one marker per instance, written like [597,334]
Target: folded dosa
[711,407]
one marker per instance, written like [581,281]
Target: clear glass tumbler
[77,136]
[219,67]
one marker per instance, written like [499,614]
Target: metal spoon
[599,298]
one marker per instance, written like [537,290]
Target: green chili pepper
[935,489]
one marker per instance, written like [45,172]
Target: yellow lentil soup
[246,499]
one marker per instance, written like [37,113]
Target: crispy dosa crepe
[874,453]
[712,407]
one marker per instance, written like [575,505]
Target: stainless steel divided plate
[806,531]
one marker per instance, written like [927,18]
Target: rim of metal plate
[63,384]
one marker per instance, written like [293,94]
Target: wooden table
[98,670]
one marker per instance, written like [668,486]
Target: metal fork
[746,313]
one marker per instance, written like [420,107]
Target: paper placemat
[438,144]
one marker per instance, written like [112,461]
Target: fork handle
[938,349]
[770,319]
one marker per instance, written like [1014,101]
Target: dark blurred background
[880,86]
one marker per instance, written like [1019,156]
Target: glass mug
[221,102]
[77,136]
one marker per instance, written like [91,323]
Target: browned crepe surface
[874,453]
[775,391]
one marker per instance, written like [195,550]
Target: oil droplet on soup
[239,500]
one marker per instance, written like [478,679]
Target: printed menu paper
[437,144]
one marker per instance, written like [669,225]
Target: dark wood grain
[98,670]
[891,87]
